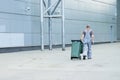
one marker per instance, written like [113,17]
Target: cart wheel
[80,58]
[71,58]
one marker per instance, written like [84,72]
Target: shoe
[84,57]
[89,58]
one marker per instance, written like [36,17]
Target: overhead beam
[44,3]
[50,7]
[56,6]
[52,16]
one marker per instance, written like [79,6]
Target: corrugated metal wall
[99,14]
[20,22]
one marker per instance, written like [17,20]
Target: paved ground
[56,65]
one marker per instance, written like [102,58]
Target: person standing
[88,39]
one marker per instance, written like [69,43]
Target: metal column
[50,26]
[41,24]
[48,12]
[63,32]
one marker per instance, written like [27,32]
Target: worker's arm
[92,37]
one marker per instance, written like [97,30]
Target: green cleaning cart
[76,49]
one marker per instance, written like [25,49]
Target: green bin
[76,49]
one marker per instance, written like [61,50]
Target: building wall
[20,22]
[99,14]
[118,19]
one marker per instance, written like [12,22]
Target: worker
[88,39]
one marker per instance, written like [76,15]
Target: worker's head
[87,27]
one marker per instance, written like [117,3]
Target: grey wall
[21,27]
[99,14]
[118,19]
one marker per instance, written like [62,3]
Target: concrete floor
[56,65]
